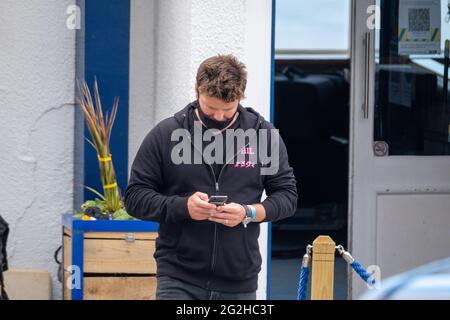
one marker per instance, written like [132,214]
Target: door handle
[367,63]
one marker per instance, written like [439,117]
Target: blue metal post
[78,261]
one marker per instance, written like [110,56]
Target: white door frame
[358,60]
[258,59]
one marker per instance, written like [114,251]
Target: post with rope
[322,282]
[322,268]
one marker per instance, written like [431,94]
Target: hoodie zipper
[216,185]
[213,262]
[213,259]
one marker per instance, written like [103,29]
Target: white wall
[37,63]
[142,73]
[186,32]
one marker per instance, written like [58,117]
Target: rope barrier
[363,273]
[304,271]
[304,274]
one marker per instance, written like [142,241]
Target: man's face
[217,109]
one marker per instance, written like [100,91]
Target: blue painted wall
[106,57]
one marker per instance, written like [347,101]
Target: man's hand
[229,215]
[199,207]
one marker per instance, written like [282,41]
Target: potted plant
[107,253]
[109,205]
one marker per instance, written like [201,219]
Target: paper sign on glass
[419,29]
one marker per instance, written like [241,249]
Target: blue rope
[304,271]
[362,273]
[304,274]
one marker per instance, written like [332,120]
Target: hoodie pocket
[237,257]
[194,245]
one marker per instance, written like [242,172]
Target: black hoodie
[204,253]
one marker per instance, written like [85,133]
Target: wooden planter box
[113,259]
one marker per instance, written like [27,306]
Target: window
[411,104]
[319,26]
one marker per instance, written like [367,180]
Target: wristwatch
[250,214]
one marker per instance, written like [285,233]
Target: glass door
[399,166]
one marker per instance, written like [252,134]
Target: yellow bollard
[322,268]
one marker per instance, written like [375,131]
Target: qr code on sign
[419,19]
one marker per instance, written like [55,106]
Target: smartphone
[218,200]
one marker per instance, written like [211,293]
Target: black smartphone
[218,200]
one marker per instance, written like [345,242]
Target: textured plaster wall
[170,38]
[37,63]
[188,32]
[142,73]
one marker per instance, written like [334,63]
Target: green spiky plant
[100,128]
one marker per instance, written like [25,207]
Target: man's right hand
[199,207]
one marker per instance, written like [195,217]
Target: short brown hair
[223,77]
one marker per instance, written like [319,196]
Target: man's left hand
[229,215]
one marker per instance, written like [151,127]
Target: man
[205,250]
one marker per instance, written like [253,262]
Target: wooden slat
[67,294]
[116,235]
[121,235]
[119,288]
[119,256]
[115,256]
[67,232]
[67,251]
